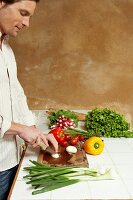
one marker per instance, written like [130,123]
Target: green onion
[56,186]
[86,134]
[44,178]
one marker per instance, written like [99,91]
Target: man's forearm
[32,135]
[15,129]
[27,133]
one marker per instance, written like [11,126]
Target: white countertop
[117,154]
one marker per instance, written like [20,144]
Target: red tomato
[74,142]
[64,143]
[81,138]
[76,137]
[61,139]
[67,137]
[58,134]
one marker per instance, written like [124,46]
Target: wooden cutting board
[65,159]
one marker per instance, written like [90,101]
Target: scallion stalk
[56,186]
[45,178]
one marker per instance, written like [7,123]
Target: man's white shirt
[13,108]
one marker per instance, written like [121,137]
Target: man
[16,120]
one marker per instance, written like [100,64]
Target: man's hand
[32,135]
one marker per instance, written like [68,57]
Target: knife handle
[43,146]
[46,148]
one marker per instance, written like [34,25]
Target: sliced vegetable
[55,155]
[94,145]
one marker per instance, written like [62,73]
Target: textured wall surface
[78,54]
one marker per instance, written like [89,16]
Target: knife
[46,148]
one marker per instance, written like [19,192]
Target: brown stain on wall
[78,54]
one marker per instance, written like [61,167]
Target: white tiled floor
[118,155]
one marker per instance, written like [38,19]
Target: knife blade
[46,148]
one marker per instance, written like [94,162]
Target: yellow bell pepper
[94,145]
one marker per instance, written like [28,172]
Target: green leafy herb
[54,116]
[108,123]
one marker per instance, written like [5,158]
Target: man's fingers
[54,142]
[36,142]
[34,145]
[44,139]
[33,141]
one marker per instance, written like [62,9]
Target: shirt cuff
[4,126]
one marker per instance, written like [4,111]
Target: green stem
[53,187]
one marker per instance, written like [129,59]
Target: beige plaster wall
[78,54]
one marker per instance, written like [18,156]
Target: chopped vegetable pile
[45,178]
[108,123]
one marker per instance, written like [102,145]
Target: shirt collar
[6,37]
[0,34]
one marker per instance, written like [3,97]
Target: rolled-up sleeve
[5,124]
